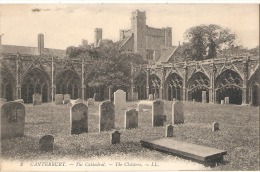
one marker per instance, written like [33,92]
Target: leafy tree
[207,40]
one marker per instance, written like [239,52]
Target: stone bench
[144,104]
[202,154]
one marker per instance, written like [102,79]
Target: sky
[66,25]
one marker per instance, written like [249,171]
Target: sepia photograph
[129,86]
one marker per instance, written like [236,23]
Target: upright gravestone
[177,112]
[135,96]
[131,119]
[169,131]
[222,102]
[2,101]
[115,137]
[106,116]
[79,118]
[193,100]
[157,113]
[66,98]
[204,97]
[58,99]
[37,99]
[150,97]
[46,143]
[156,96]
[120,100]
[215,126]
[12,120]
[90,102]
[226,100]
[96,97]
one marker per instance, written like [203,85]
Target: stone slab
[186,150]
[144,104]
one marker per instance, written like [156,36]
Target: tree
[207,40]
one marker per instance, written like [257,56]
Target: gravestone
[222,102]
[120,99]
[215,126]
[169,131]
[90,102]
[150,97]
[58,99]
[204,97]
[226,100]
[156,96]
[66,99]
[131,119]
[19,101]
[177,112]
[37,99]
[135,96]
[193,100]
[12,120]
[157,113]
[96,97]
[79,118]
[46,143]
[2,101]
[106,116]
[174,99]
[144,105]
[115,137]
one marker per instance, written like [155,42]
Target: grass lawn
[239,135]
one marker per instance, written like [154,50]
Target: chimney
[40,43]
[98,36]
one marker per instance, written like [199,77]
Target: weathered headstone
[46,143]
[37,99]
[177,112]
[215,126]
[157,113]
[79,118]
[120,100]
[169,131]
[106,116]
[115,137]
[12,120]
[156,96]
[66,98]
[135,96]
[19,101]
[150,97]
[204,96]
[131,119]
[193,100]
[226,100]
[58,99]
[90,102]
[96,97]
[2,101]
[222,102]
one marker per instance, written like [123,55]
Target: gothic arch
[154,85]
[140,86]
[35,81]
[197,83]
[68,82]
[229,84]
[7,85]
[173,86]
[254,89]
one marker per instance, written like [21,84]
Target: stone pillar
[52,81]
[82,80]
[212,96]
[18,81]
[132,82]
[109,93]
[245,80]
[184,89]
[162,88]
[147,82]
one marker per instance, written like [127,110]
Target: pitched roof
[13,49]
[167,54]
[125,41]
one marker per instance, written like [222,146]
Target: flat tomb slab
[186,150]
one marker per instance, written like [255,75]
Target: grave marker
[222,102]
[66,99]
[37,99]
[120,99]
[204,97]
[157,113]
[150,97]
[106,116]
[12,120]
[215,126]
[169,131]
[79,118]
[58,99]
[177,112]
[226,100]
[115,137]
[46,143]
[131,119]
